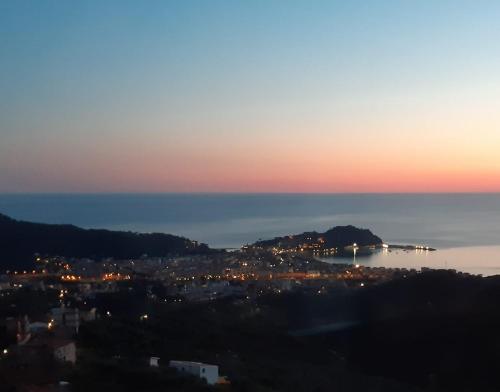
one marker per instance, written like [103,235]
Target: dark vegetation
[337,237]
[437,331]
[98,374]
[249,341]
[19,241]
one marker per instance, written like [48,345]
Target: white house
[209,372]
[36,350]
[154,361]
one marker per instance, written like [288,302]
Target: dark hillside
[336,237]
[19,241]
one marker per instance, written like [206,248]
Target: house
[154,362]
[37,366]
[208,372]
[64,350]
[66,317]
[43,348]
[60,348]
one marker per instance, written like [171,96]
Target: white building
[154,361]
[36,350]
[209,372]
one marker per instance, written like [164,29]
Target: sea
[464,228]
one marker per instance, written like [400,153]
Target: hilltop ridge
[20,240]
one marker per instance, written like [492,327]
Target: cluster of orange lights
[113,276]
[70,277]
[21,272]
[241,276]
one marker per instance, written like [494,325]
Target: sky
[249,96]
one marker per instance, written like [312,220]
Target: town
[244,273]
[63,294]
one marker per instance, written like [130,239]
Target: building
[66,317]
[38,327]
[208,372]
[154,361]
[64,350]
[43,349]
[56,345]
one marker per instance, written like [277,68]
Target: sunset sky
[249,96]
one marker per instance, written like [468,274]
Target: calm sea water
[464,227]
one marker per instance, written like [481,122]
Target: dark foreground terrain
[435,331]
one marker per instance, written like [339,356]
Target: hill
[336,237]
[20,240]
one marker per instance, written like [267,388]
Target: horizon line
[69,193]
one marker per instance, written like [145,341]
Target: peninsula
[336,237]
[334,240]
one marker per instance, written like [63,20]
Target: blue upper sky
[230,95]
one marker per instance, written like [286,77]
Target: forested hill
[336,237]
[20,240]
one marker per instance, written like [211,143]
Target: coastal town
[248,272]
[65,317]
[74,289]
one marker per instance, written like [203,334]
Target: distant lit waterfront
[465,228]
[483,260]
